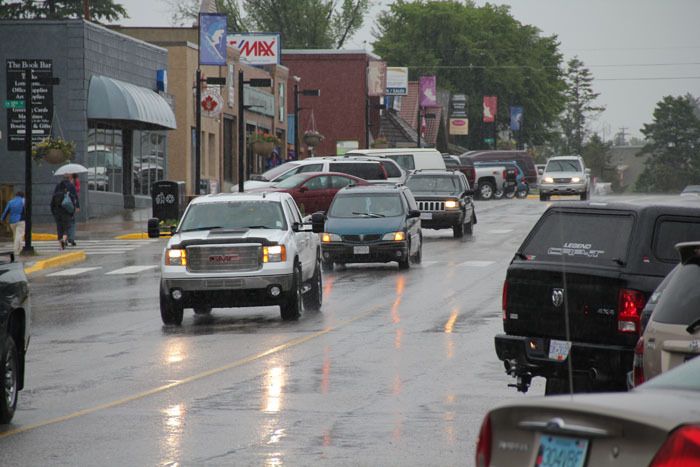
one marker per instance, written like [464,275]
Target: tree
[302,24]
[596,154]
[579,106]
[478,51]
[100,10]
[673,144]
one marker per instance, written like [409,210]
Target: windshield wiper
[257,227]
[618,261]
[211,227]
[369,214]
[692,327]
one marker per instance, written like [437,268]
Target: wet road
[398,369]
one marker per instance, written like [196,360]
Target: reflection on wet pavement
[173,422]
[275,379]
[326,370]
[175,351]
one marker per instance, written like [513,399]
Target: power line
[658,78]
[539,67]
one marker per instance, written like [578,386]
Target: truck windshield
[563,166]
[234,215]
[437,184]
[366,205]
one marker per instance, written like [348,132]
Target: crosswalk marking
[91,247]
[132,269]
[477,264]
[72,272]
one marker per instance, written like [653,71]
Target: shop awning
[111,100]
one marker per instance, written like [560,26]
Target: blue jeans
[71,230]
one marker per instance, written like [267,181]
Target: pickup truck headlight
[274,254]
[330,237]
[575,179]
[451,204]
[548,180]
[395,236]
[176,257]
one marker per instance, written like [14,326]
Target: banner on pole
[428,91]
[490,106]
[212,39]
[516,118]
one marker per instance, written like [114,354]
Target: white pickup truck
[233,250]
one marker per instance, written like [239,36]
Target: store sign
[212,103]
[257,49]
[261,102]
[459,126]
[376,78]
[396,81]
[19,72]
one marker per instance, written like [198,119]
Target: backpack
[67,203]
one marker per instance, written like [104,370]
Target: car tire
[313,299]
[327,266]
[458,230]
[202,310]
[544,197]
[584,196]
[486,190]
[405,264]
[293,305]
[170,312]
[418,257]
[469,227]
[9,380]
[510,194]
[498,194]
[522,194]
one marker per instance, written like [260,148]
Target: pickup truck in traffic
[15,314]
[493,179]
[241,249]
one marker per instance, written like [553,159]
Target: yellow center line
[449,326]
[150,392]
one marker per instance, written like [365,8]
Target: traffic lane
[348,295]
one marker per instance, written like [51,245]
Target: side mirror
[413,213]
[469,192]
[303,189]
[318,221]
[540,171]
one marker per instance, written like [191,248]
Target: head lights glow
[274,254]
[548,180]
[451,204]
[176,257]
[575,179]
[395,236]
[330,237]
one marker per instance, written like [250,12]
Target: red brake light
[638,363]
[681,449]
[483,444]
[504,299]
[505,176]
[629,308]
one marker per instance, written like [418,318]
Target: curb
[55,261]
[133,236]
[43,236]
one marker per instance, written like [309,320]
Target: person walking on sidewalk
[71,232]
[64,205]
[15,211]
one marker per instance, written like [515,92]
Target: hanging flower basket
[312,138]
[263,143]
[263,148]
[53,151]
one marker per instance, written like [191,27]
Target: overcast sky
[632,47]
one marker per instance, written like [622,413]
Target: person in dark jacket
[64,205]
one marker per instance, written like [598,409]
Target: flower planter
[263,148]
[312,140]
[55,156]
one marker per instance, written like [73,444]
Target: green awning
[111,100]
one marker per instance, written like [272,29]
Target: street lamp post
[305,92]
[217,81]
[256,83]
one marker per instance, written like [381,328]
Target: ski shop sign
[257,48]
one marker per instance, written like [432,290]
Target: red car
[314,191]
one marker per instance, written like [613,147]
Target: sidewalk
[127,222]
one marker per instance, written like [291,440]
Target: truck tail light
[638,363]
[682,448]
[483,444]
[629,309]
[504,299]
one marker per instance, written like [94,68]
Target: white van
[408,158]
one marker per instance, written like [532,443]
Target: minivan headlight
[176,257]
[394,236]
[575,179]
[330,237]
[548,180]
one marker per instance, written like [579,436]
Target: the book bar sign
[18,73]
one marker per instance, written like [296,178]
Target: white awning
[113,100]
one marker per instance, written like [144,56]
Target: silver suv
[565,175]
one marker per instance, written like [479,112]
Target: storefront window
[105,159]
[148,160]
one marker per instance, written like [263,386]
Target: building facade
[106,103]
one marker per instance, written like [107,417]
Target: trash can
[168,198]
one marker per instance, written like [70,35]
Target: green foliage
[596,154]
[100,10]
[673,142]
[478,51]
[40,149]
[579,106]
[184,13]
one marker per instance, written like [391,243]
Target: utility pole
[256,83]
[86,10]
[305,92]
[419,127]
[198,132]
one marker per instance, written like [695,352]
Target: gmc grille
[224,258]
[431,205]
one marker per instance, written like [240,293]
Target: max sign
[257,49]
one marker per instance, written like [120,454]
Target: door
[310,195]
[303,241]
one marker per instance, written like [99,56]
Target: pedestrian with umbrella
[64,202]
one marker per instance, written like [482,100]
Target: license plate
[361,250]
[426,216]
[559,350]
[559,451]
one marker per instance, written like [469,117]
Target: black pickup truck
[575,290]
[14,332]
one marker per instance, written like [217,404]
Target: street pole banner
[212,39]
[257,48]
[490,106]
[376,78]
[428,91]
[396,81]
[516,118]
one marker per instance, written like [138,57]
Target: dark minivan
[575,290]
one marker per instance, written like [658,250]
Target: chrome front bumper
[229,283]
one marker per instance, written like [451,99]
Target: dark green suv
[371,224]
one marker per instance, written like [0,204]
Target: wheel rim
[10,380]
[486,191]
